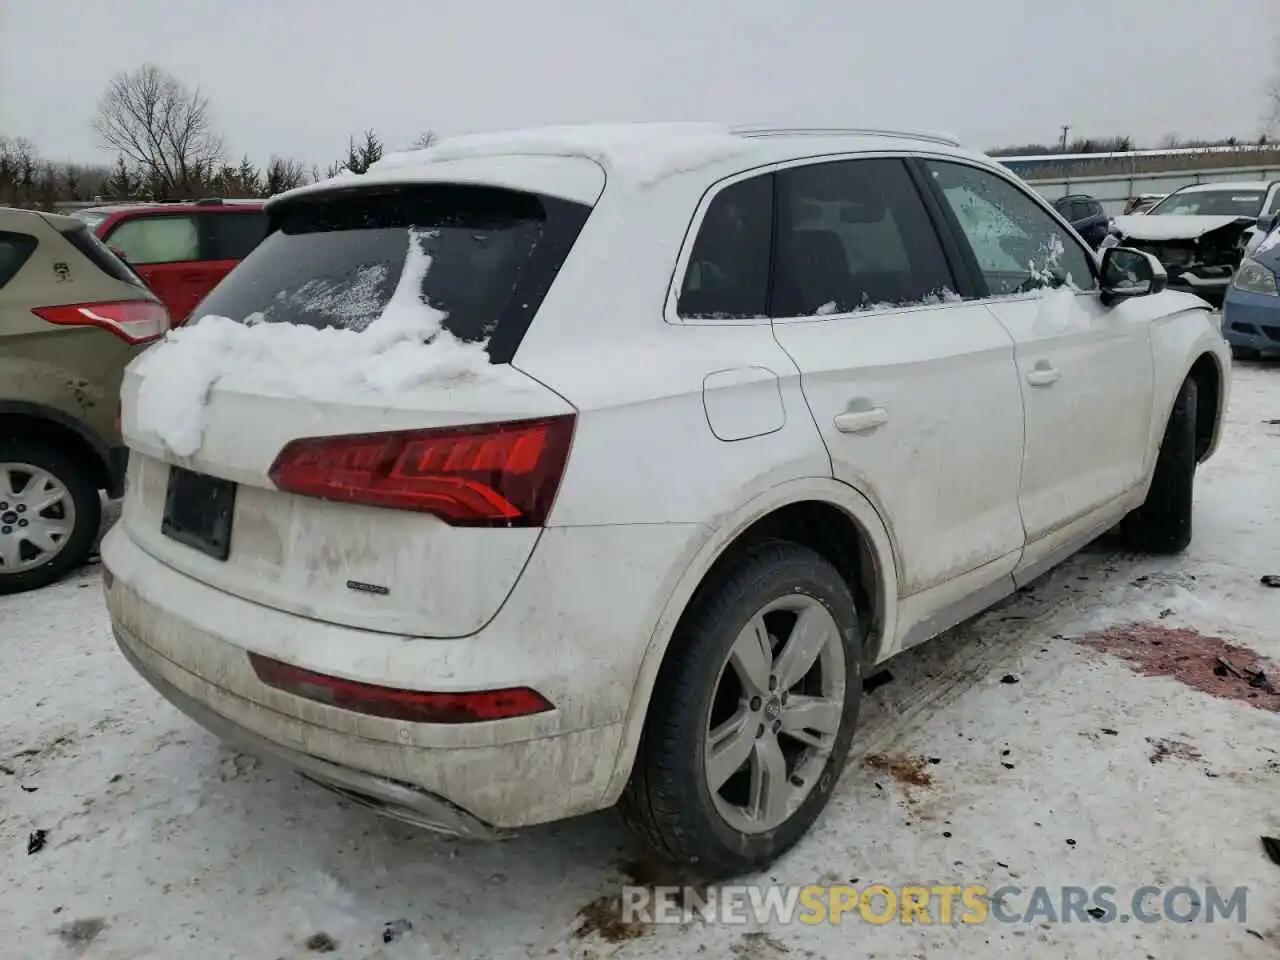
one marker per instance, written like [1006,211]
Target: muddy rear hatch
[340,434]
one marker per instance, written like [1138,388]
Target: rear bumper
[400,801]
[575,629]
[1252,321]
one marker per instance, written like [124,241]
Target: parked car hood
[1159,227]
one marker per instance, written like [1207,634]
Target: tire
[1245,353]
[669,802]
[1163,523]
[80,504]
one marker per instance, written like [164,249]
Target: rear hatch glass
[335,261]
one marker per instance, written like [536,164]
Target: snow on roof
[642,153]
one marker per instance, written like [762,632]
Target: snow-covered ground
[161,843]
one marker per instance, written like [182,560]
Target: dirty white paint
[184,848]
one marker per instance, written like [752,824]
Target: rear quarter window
[334,260]
[15,249]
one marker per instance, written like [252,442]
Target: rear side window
[232,236]
[97,253]
[1080,210]
[334,261]
[728,272]
[157,239]
[854,234]
[15,248]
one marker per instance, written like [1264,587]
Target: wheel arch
[825,511]
[1207,371]
[20,418]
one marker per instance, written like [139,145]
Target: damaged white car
[534,473]
[1200,232]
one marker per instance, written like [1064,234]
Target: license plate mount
[198,511]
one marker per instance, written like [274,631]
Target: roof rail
[752,130]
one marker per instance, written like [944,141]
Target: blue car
[1251,309]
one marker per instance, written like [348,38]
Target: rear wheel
[1163,523]
[752,715]
[49,514]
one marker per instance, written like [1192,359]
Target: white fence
[1113,191]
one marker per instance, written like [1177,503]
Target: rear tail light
[490,475]
[133,321]
[411,706]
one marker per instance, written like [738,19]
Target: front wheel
[49,514]
[752,715]
[1163,523]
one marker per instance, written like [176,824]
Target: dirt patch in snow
[910,771]
[758,945]
[1162,750]
[602,917]
[1208,664]
[79,933]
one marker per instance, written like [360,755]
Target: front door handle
[859,420]
[1043,375]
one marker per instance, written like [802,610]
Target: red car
[181,250]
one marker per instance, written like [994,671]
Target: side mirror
[119,253]
[1266,223]
[1130,273]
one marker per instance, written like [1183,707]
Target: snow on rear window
[405,345]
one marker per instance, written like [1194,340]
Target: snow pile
[406,346]
[640,153]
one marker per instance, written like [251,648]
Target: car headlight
[1253,277]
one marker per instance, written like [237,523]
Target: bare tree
[1272,121]
[162,128]
[424,140]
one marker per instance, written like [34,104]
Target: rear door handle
[859,420]
[191,277]
[1043,375]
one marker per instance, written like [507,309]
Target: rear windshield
[1226,203]
[335,261]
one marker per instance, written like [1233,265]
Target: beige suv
[72,316]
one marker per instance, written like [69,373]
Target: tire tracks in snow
[930,677]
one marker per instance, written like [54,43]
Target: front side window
[1017,245]
[152,240]
[728,272]
[854,234]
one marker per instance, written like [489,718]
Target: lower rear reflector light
[411,706]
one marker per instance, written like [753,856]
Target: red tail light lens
[491,475]
[412,706]
[133,321]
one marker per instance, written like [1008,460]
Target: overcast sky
[295,77]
